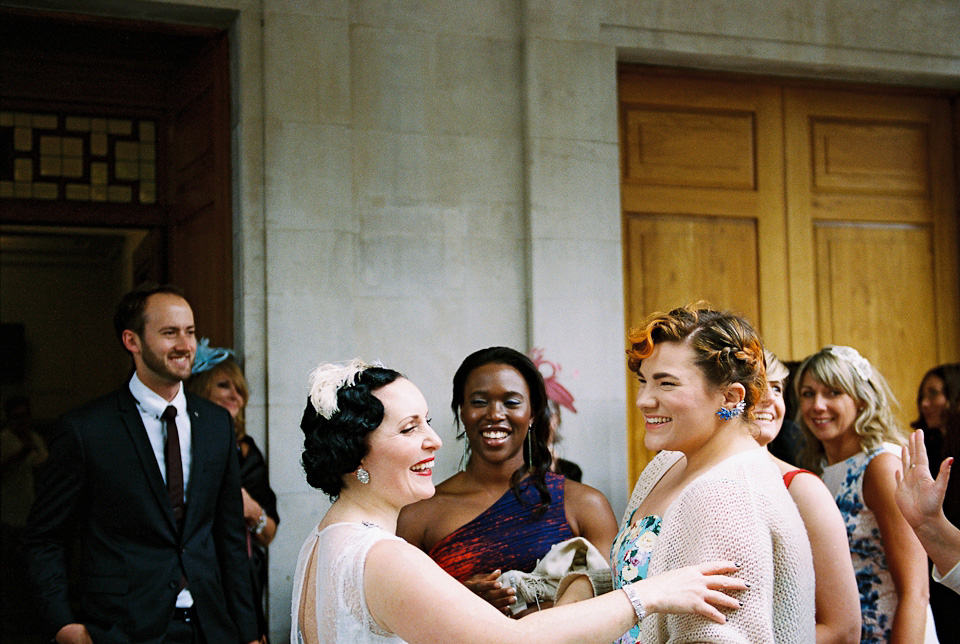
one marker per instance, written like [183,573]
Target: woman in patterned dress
[854,440]
[506,509]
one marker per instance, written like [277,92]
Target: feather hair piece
[555,391]
[208,357]
[328,378]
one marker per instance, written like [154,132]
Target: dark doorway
[114,169]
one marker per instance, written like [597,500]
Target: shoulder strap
[789,476]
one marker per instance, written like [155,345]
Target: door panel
[702,164]
[665,148]
[865,199]
[673,254]
[675,260]
[727,163]
[874,288]
[870,157]
[201,241]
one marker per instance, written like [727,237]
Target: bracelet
[261,523]
[635,602]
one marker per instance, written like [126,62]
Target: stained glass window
[72,157]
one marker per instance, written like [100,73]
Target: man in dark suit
[146,480]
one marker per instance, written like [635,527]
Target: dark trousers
[184,631]
[19,623]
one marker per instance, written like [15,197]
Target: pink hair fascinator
[555,391]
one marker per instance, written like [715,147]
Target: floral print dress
[878,596]
[630,555]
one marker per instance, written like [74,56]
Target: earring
[465,458]
[530,447]
[363,475]
[727,414]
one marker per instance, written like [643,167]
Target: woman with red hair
[712,491]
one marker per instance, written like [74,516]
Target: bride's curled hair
[334,447]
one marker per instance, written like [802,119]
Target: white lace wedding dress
[341,607]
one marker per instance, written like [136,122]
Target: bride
[369,445]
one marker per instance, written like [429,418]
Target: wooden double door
[825,215]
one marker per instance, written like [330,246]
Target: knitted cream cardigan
[739,510]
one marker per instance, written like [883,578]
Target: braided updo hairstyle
[334,447]
[727,349]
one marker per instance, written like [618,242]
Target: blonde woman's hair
[844,369]
[203,384]
[776,370]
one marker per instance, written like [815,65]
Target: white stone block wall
[394,211]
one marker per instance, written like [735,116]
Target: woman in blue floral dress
[631,557]
[854,440]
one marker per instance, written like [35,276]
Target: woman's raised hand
[919,496]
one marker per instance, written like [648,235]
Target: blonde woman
[217,377]
[846,413]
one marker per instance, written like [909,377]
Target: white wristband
[635,602]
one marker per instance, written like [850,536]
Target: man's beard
[157,364]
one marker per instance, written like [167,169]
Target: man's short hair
[130,310]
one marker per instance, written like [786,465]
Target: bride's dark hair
[334,447]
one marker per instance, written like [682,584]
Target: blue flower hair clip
[209,357]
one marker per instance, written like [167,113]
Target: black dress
[253,478]
[945,603]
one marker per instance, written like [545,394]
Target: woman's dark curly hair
[333,448]
[538,463]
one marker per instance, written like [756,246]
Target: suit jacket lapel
[151,469]
[201,450]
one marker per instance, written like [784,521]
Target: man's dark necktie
[174,464]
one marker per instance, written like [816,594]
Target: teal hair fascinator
[209,357]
